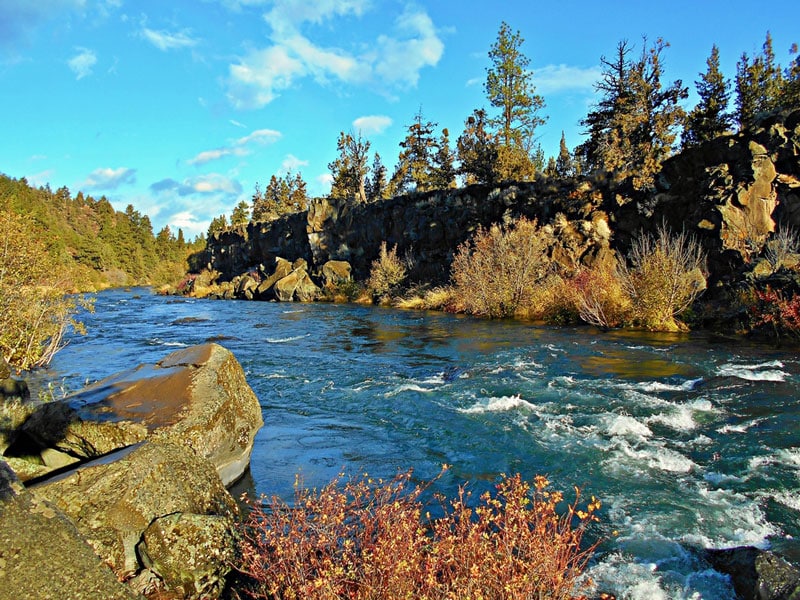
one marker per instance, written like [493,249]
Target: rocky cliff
[731,193]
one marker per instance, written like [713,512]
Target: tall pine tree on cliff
[634,125]
[509,87]
[349,170]
[759,83]
[710,118]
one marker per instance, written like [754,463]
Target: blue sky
[180,107]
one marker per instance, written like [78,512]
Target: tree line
[92,242]
[637,122]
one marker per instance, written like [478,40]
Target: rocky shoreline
[125,481]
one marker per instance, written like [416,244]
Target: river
[689,441]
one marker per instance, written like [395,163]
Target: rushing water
[690,442]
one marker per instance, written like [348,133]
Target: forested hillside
[95,245]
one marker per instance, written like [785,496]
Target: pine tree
[633,127]
[218,225]
[284,195]
[443,171]
[350,169]
[240,214]
[759,85]
[376,186]
[551,170]
[709,119]
[790,94]
[476,150]
[564,163]
[509,87]
[415,163]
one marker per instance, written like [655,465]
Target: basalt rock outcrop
[137,464]
[730,193]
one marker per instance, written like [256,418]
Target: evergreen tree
[415,164]
[376,186]
[790,94]
[350,168]
[551,170]
[759,84]
[564,164]
[240,214]
[283,195]
[476,150]
[217,225]
[709,119]
[443,172]
[509,87]
[633,126]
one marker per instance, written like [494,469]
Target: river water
[690,442]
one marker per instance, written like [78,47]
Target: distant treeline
[96,245]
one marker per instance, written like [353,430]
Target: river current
[689,441]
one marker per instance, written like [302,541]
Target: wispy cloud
[190,204]
[18,17]
[395,60]
[240,147]
[291,163]
[164,40]
[552,79]
[372,124]
[82,63]
[109,179]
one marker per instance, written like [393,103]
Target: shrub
[784,243]
[494,274]
[387,272]
[366,540]
[602,299]
[35,311]
[663,279]
[773,309]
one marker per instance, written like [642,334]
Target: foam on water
[787,498]
[287,339]
[767,371]
[499,404]
[623,425]
[407,387]
[650,458]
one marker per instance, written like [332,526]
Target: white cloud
[239,147]
[260,76]
[552,79]
[372,124]
[82,63]
[109,179]
[401,60]
[237,124]
[164,40]
[291,163]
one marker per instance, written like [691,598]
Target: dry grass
[368,540]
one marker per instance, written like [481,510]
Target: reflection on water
[689,442]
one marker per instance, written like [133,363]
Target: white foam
[679,419]
[177,344]
[501,404]
[408,387]
[658,386]
[288,339]
[790,499]
[623,425]
[655,457]
[789,457]
[757,372]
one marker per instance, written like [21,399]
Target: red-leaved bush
[368,539]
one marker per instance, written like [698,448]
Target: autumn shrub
[35,311]
[601,297]
[777,312]
[372,540]
[425,298]
[663,277]
[494,274]
[387,273]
